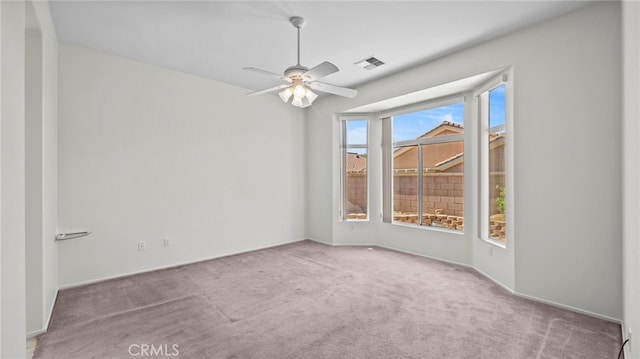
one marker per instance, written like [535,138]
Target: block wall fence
[442,198]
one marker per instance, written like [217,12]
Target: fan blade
[272,89]
[332,89]
[265,72]
[324,69]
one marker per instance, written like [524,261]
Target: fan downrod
[297,70]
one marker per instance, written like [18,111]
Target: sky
[357,132]
[496,106]
[412,125]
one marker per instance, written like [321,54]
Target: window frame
[468,95]
[388,145]
[482,119]
[344,146]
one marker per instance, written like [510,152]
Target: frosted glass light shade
[286,94]
[299,91]
[302,96]
[311,96]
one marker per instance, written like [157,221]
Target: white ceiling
[216,39]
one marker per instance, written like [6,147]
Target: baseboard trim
[35,333]
[497,282]
[360,244]
[355,245]
[53,304]
[423,255]
[568,307]
[627,348]
[174,265]
[320,241]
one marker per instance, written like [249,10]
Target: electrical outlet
[141,246]
[167,241]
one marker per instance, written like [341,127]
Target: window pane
[356,132]
[411,126]
[442,190]
[405,184]
[356,183]
[355,171]
[497,193]
[429,176]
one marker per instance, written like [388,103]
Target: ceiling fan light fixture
[311,96]
[300,79]
[285,95]
[299,91]
[305,103]
[297,101]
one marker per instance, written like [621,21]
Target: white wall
[566,248]
[33,171]
[12,180]
[41,166]
[147,152]
[568,120]
[49,157]
[631,172]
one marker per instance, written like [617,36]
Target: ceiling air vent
[369,63]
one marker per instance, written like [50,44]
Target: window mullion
[343,165]
[387,170]
[419,187]
[429,141]
[483,110]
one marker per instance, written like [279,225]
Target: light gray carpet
[309,300]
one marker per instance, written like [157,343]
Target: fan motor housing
[295,71]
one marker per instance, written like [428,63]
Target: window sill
[428,228]
[494,242]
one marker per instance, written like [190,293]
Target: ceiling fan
[301,80]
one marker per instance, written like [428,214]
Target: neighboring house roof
[449,162]
[498,140]
[356,162]
[445,125]
[457,159]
